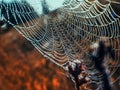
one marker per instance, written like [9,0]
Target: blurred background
[22,67]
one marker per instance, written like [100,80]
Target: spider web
[65,34]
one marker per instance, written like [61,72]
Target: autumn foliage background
[22,67]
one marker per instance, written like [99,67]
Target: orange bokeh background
[22,67]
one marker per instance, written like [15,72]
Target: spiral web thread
[65,34]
